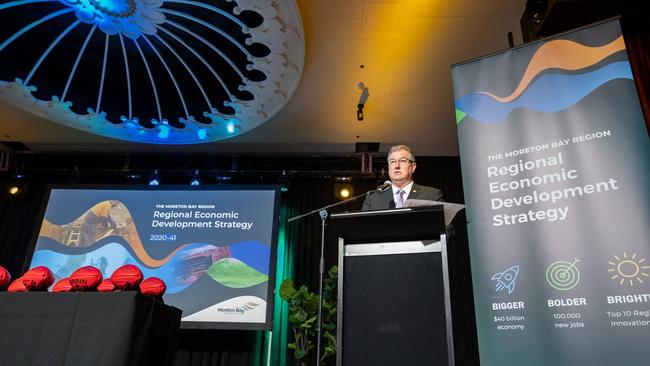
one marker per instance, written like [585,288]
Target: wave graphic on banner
[181,271]
[91,228]
[94,225]
[548,91]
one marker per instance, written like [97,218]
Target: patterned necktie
[399,203]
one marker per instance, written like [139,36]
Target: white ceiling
[406,48]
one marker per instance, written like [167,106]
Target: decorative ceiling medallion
[151,71]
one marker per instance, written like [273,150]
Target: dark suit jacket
[384,200]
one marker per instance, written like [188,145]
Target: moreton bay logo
[628,269]
[563,275]
[242,309]
[506,279]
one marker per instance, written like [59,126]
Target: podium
[393,290]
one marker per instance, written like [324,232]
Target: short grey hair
[399,148]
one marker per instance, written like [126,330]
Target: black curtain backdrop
[637,41]
[218,347]
[306,191]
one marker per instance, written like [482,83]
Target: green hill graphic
[236,274]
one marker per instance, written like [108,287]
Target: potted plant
[303,316]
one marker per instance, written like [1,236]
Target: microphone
[384,186]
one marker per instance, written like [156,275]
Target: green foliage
[303,315]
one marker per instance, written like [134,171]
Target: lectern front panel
[393,310]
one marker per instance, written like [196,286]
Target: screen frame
[270,299]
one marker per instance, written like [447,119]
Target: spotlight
[196,179]
[343,188]
[284,182]
[223,178]
[363,98]
[154,180]
[17,185]
[344,192]
[230,127]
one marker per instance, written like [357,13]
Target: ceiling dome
[151,71]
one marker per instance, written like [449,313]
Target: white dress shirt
[406,189]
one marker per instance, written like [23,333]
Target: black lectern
[394,306]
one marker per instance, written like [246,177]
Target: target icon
[563,275]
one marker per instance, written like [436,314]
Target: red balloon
[106,286]
[38,279]
[17,286]
[153,286]
[127,277]
[86,279]
[5,278]
[62,286]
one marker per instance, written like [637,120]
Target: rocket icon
[506,279]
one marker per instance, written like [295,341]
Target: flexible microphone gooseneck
[384,186]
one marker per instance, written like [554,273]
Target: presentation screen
[213,247]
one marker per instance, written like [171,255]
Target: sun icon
[629,269]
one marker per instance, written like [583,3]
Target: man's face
[400,167]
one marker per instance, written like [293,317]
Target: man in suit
[401,166]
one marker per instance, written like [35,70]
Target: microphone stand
[321,268]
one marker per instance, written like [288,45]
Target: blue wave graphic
[549,93]
[254,254]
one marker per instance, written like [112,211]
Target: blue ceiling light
[223,178]
[213,69]
[154,180]
[164,132]
[196,179]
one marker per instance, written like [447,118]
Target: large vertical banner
[556,169]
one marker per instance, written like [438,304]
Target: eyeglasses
[402,162]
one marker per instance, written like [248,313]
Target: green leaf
[299,354]
[333,272]
[303,310]
[287,290]
[301,315]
